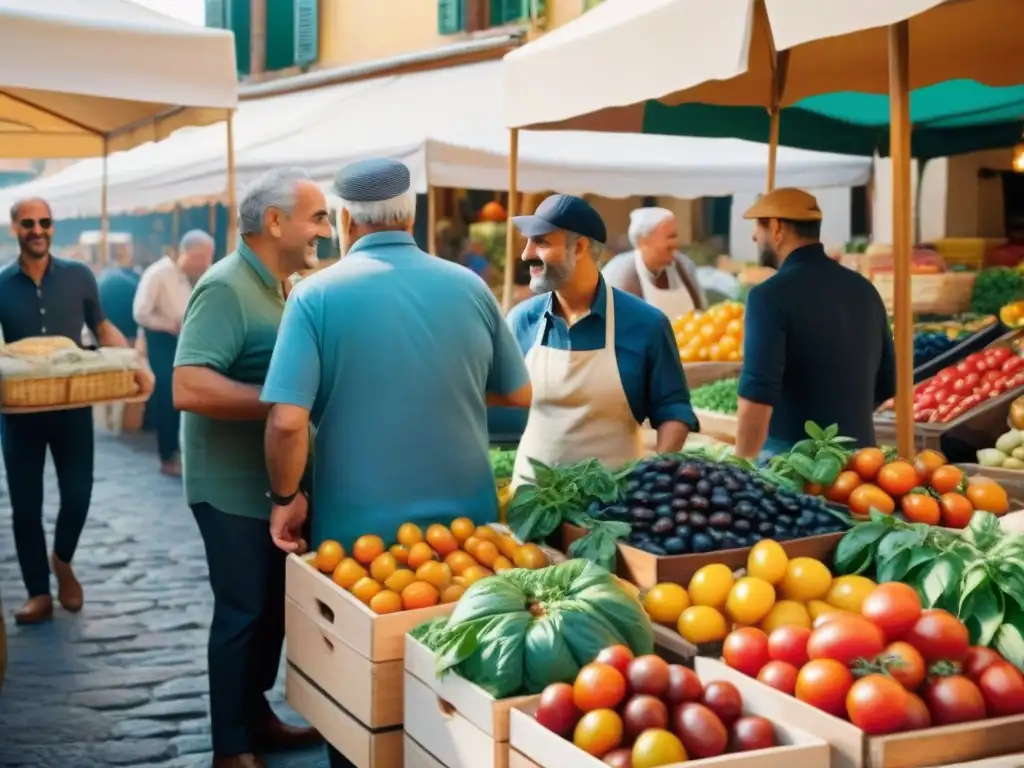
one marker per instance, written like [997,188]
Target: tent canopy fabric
[79,78]
[719,52]
[446,125]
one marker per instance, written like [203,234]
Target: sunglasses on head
[31,223]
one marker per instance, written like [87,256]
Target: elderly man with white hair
[158,309]
[655,270]
[224,350]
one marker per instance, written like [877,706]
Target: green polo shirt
[230,326]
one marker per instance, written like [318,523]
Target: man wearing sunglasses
[41,295]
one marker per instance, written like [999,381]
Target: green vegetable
[995,288]
[819,459]
[718,396]
[991,457]
[502,463]
[520,630]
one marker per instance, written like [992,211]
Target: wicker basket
[34,393]
[948,293]
[96,387]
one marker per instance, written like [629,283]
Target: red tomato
[918,715]
[746,650]
[977,660]
[1002,685]
[905,664]
[892,607]
[939,636]
[877,704]
[779,675]
[846,638]
[1012,365]
[789,644]
[824,683]
[953,699]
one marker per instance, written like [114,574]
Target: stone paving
[123,683]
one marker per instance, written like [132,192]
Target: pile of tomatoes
[924,490]
[644,712]
[714,335]
[955,390]
[893,667]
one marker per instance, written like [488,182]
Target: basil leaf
[941,581]
[804,447]
[983,531]
[895,568]
[803,466]
[895,543]
[814,431]
[831,432]
[983,613]
[1008,575]
[826,468]
[858,543]
[1009,639]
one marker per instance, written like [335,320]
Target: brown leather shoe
[248,760]
[69,591]
[273,735]
[35,610]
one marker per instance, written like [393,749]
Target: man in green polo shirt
[224,349]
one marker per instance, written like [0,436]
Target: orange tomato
[401,553]
[947,479]
[983,493]
[463,528]
[867,497]
[866,462]
[419,594]
[598,732]
[386,602]
[956,510]
[441,540]
[409,534]
[365,589]
[419,553]
[598,686]
[844,485]
[921,508]
[367,549]
[926,462]
[813,489]
[897,478]
[329,555]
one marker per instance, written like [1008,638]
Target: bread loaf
[39,346]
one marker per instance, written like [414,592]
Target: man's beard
[767,257]
[553,276]
[30,247]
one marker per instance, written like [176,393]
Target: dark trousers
[247,577]
[338,760]
[25,437]
[161,347]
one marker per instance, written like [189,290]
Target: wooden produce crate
[457,723]
[797,748]
[699,374]
[942,746]
[345,669]
[645,570]
[946,293]
[720,426]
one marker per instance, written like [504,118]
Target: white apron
[675,300]
[579,409]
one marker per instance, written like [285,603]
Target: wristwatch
[282,501]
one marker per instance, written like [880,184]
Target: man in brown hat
[817,345]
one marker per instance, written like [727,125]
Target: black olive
[689,472]
[663,483]
[651,475]
[684,531]
[682,518]
[632,484]
[769,506]
[744,509]
[765,528]
[683,490]
[642,514]
[699,504]
[701,542]
[680,505]
[742,526]
[662,526]
[618,511]
[731,484]
[640,498]
[665,511]
[661,497]
[698,521]
[806,520]
[716,535]
[721,502]
[731,541]
[665,465]
[652,548]
[769,488]
[704,487]
[675,545]
[640,525]
[637,536]
[720,520]
[716,478]
[753,538]
[783,534]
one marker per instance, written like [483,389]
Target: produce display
[712,335]
[1007,453]
[995,288]
[642,712]
[934,338]
[892,667]
[718,396]
[775,592]
[1012,315]
[503,463]
[977,575]
[422,569]
[520,631]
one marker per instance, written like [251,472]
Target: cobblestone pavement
[123,683]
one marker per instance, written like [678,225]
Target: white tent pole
[232,233]
[510,233]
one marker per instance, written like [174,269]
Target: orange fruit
[897,478]
[459,581]
[507,545]
[452,593]
[474,573]
[400,579]
[531,556]
[867,497]
[486,553]
[471,544]
[419,594]
[409,534]
[383,566]
[926,462]
[956,510]
[947,479]
[840,490]
[463,528]
[367,549]
[486,533]
[329,554]
[386,601]
[433,572]
[348,573]
[983,493]
[502,563]
[441,540]
[420,553]
[920,508]
[600,731]
[365,589]
[866,462]
[459,561]
[401,553]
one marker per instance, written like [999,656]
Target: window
[456,16]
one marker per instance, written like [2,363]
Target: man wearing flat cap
[817,345]
[601,360]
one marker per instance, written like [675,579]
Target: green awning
[950,118]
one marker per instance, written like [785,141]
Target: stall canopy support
[103,257]
[510,209]
[232,192]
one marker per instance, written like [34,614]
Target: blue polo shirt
[393,352]
[117,288]
[817,347]
[65,300]
[645,350]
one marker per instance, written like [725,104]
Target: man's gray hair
[274,189]
[393,212]
[194,238]
[643,221]
[596,247]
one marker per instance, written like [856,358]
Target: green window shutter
[293,32]
[451,17]
[216,14]
[515,11]
[236,18]
[307,32]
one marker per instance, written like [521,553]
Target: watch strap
[282,501]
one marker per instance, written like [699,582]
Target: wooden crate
[721,426]
[946,293]
[417,757]
[699,374]
[851,748]
[455,721]
[797,749]
[517,759]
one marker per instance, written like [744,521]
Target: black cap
[572,214]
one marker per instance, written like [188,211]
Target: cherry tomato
[921,508]
[779,675]
[846,638]
[905,664]
[956,510]
[789,644]
[746,650]
[893,607]
[918,715]
[824,683]
[877,704]
[939,636]
[953,699]
[1002,685]
[1012,365]
[977,660]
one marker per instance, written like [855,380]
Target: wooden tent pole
[232,192]
[899,150]
[431,219]
[102,257]
[510,232]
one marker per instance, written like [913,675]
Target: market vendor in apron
[601,361]
[817,345]
[655,270]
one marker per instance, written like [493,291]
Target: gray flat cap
[372,180]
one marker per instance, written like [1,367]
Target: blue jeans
[161,347]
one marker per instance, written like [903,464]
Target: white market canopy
[447,125]
[81,77]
